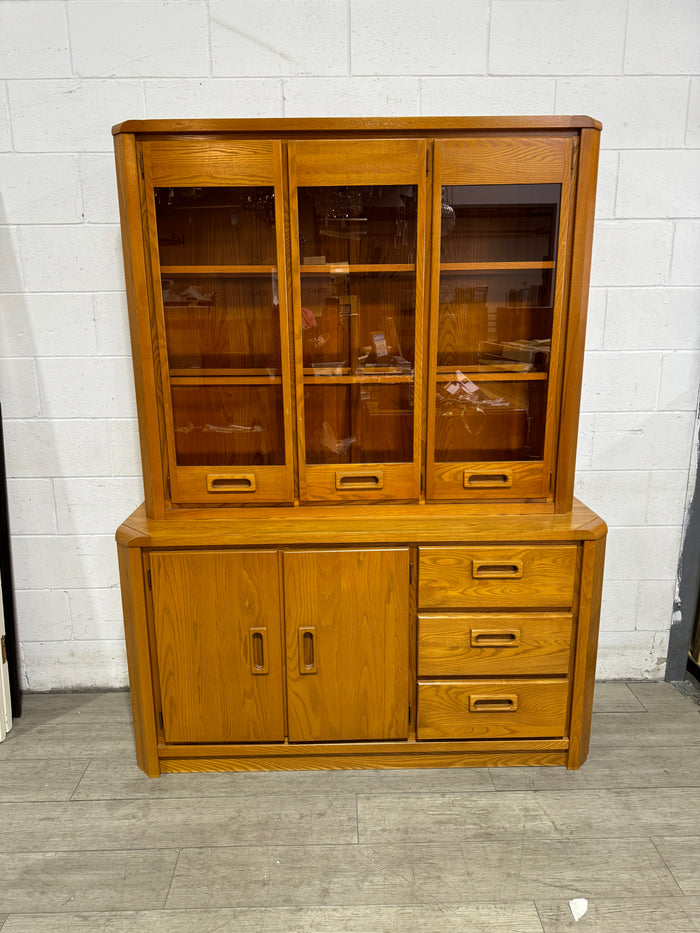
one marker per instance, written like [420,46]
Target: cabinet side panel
[217,620]
[138,658]
[347,644]
[130,207]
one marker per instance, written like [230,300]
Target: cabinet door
[500,222]
[216,228]
[347,644]
[218,644]
[358,246]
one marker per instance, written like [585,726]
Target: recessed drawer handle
[359,480]
[230,482]
[258,654]
[307,650]
[487,480]
[483,569]
[494,638]
[493,704]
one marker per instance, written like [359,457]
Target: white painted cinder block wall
[69,70]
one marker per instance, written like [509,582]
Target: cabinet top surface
[331,525]
[355,125]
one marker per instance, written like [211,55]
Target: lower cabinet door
[219,645]
[347,644]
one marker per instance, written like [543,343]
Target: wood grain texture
[201,162]
[444,712]
[495,160]
[357,601]
[204,607]
[450,577]
[492,644]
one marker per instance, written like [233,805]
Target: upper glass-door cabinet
[500,221]
[358,264]
[216,244]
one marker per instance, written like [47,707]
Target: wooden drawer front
[489,644]
[498,577]
[485,709]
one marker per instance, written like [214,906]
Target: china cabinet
[357,352]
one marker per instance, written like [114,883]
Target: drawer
[493,644]
[499,577]
[486,709]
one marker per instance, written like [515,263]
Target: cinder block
[632,655]
[619,496]
[40,189]
[98,181]
[112,324]
[490,95]
[351,97]
[692,139]
[80,114]
[11,279]
[43,615]
[680,377]
[643,440]
[620,381]
[74,665]
[47,325]
[636,113]
[96,614]
[213,97]
[55,448]
[642,553]
[135,39]
[652,318]
[64,561]
[19,389]
[658,184]
[76,258]
[124,448]
[655,605]
[662,38]
[563,38]
[606,192]
[667,494]
[595,325]
[631,252]
[34,40]
[87,387]
[274,37]
[32,507]
[5,141]
[618,609]
[409,37]
[685,268]
[584,447]
[95,505]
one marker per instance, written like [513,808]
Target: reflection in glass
[216,226]
[228,425]
[499,223]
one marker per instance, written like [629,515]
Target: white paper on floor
[578,907]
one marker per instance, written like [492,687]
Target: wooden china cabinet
[358,350]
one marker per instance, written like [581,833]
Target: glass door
[217,249]
[499,235]
[358,232]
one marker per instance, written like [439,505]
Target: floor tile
[160,824]
[614,697]
[635,729]
[43,780]
[657,696]
[638,915]
[411,875]
[74,881]
[473,918]
[69,740]
[108,707]
[600,814]
[682,856]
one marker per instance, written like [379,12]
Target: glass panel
[228,425]
[499,223]
[359,422]
[489,420]
[370,224]
[216,226]
[496,321]
[222,322]
[358,323]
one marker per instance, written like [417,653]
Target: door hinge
[2,649]
[148,579]
[143,174]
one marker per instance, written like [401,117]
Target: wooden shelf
[343,268]
[213,378]
[218,270]
[499,376]
[493,266]
[347,378]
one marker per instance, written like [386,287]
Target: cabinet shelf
[486,376]
[348,378]
[493,266]
[223,378]
[341,268]
[218,270]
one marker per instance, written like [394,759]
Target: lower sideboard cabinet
[326,639]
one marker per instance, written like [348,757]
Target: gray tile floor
[88,843]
